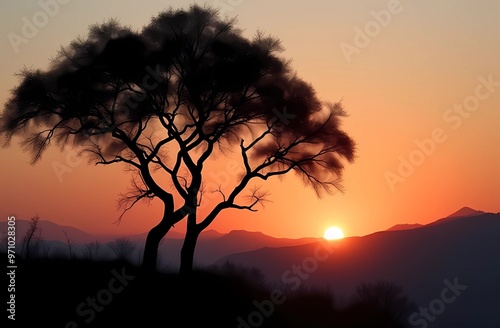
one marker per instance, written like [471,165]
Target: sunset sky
[419,79]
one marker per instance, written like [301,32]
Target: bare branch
[136,194]
[69,243]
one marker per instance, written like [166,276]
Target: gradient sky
[416,76]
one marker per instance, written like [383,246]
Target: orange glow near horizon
[425,149]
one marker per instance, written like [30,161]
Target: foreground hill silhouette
[460,248]
[456,248]
[78,293]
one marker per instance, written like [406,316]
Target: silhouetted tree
[380,304]
[32,238]
[5,241]
[91,250]
[122,247]
[45,248]
[70,243]
[168,98]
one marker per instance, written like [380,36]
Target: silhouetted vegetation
[91,250]
[70,243]
[80,293]
[32,239]
[122,247]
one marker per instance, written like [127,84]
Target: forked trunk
[188,248]
[153,240]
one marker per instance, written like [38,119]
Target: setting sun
[333,233]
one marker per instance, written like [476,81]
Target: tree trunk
[189,246]
[153,240]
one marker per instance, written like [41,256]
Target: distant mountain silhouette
[465,248]
[55,232]
[464,212]
[212,244]
[209,249]
[461,213]
[405,226]
[207,234]
[51,231]
[241,240]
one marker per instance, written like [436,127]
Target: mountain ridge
[420,260]
[80,235]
